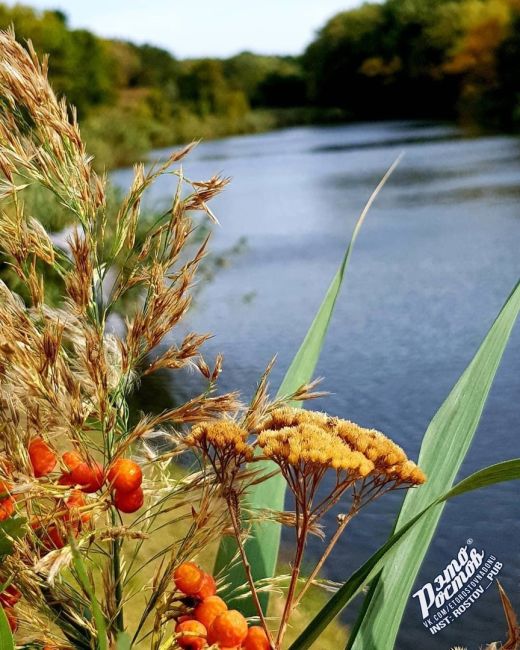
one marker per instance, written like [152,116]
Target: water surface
[435,261]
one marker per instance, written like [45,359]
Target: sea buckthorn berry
[124,475]
[75,501]
[11,618]
[89,476]
[10,596]
[185,617]
[208,610]
[6,508]
[191,635]
[209,587]
[228,629]
[52,538]
[71,459]
[43,458]
[129,501]
[188,578]
[256,639]
[66,479]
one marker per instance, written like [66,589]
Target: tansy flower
[223,443]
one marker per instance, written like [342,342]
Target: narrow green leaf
[263,544]
[499,473]
[97,614]
[445,445]
[123,641]
[6,637]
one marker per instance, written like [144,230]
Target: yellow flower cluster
[223,436]
[309,444]
[300,434]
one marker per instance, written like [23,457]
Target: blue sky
[191,28]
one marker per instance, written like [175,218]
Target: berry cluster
[209,622]
[124,477]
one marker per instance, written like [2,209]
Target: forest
[432,59]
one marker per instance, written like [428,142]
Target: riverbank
[118,138]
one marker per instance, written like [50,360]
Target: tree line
[448,59]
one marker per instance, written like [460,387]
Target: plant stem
[118,587]
[324,557]
[247,569]
[301,540]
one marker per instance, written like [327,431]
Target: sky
[196,28]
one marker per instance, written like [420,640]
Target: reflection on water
[437,257]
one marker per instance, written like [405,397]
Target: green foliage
[434,58]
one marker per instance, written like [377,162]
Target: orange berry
[125,475]
[6,508]
[10,596]
[208,588]
[188,578]
[192,635]
[71,459]
[11,618]
[66,479]
[75,501]
[184,617]
[208,610]
[52,538]
[228,629]
[256,639]
[129,501]
[43,458]
[89,475]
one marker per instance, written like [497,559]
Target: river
[436,259]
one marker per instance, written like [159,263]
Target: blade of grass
[6,637]
[263,544]
[99,619]
[443,450]
[499,473]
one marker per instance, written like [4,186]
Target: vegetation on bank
[449,59]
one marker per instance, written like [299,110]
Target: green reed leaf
[263,544]
[386,554]
[6,636]
[444,447]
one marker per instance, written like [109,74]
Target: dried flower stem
[339,531]
[302,532]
